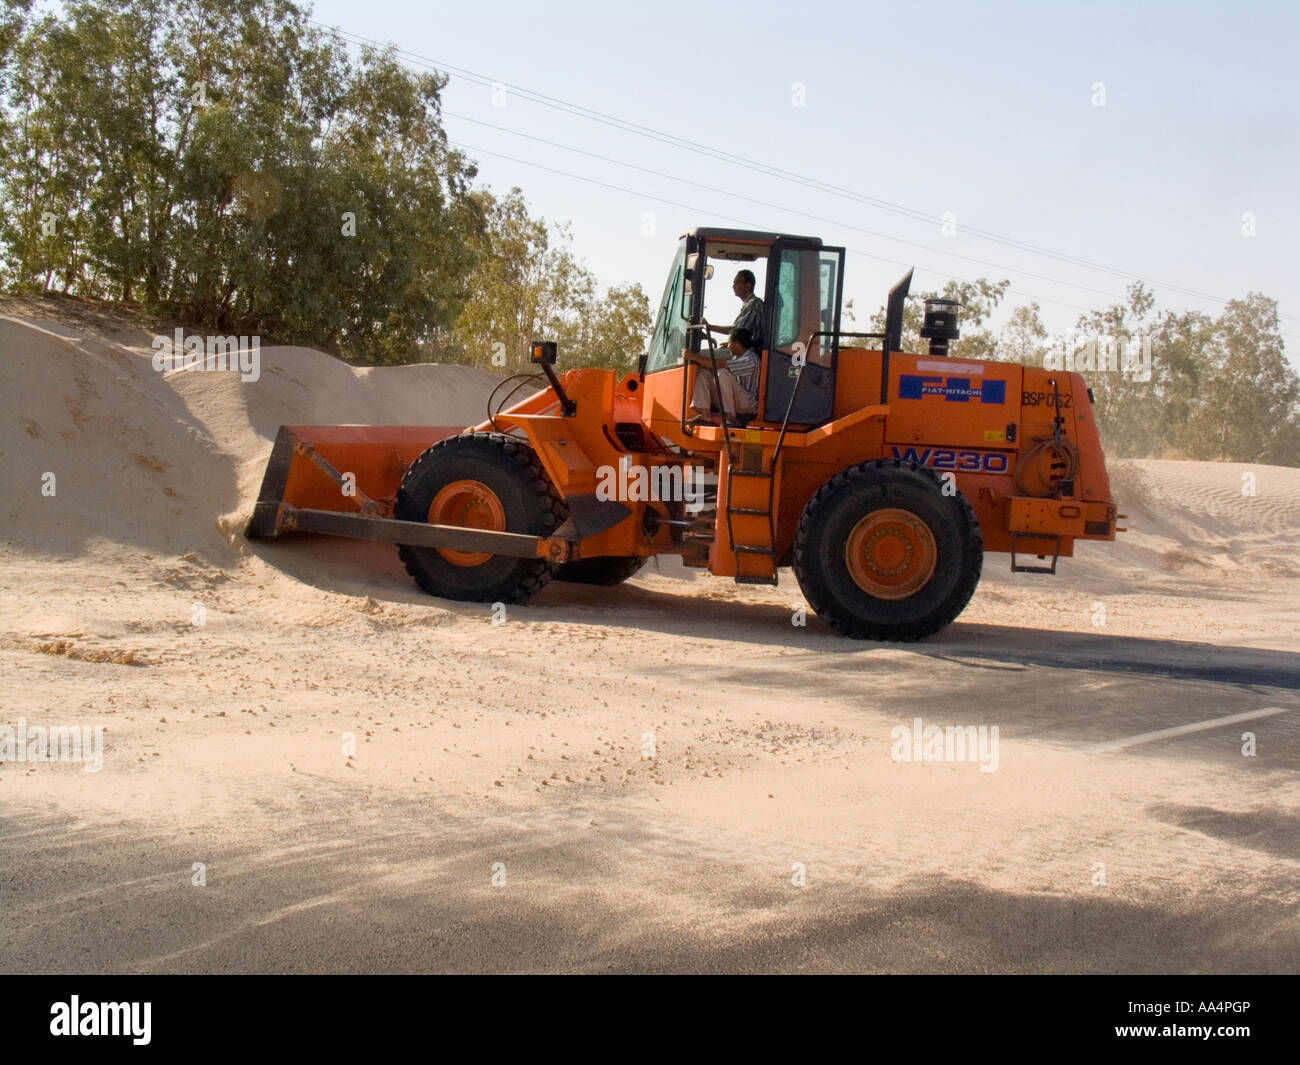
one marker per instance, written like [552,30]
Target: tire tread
[532,575]
[882,472]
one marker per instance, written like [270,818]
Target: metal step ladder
[751,493]
[750,528]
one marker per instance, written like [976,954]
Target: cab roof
[747,236]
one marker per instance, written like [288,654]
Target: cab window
[670,327]
[786,318]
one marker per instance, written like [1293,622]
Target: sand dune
[1221,515]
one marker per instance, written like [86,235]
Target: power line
[696,210]
[460,145]
[778,207]
[753,165]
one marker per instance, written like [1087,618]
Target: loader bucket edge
[308,463]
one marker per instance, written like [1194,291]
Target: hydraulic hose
[1029,459]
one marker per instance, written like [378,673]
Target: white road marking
[1182,730]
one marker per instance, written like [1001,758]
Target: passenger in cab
[737,379]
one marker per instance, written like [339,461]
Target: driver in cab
[751,309]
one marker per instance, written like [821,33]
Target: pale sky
[912,110]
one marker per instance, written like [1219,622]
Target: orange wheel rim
[891,554]
[471,505]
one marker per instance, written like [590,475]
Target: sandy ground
[668,776]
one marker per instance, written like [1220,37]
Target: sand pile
[170,462]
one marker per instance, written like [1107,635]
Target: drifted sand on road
[655,765]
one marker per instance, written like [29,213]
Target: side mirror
[543,352]
[688,281]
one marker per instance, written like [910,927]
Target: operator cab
[801,284]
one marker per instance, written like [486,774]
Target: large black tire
[822,546]
[531,505]
[605,570]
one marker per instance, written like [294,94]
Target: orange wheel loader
[881,477]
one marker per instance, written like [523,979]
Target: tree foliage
[528,285]
[224,164]
[1249,396]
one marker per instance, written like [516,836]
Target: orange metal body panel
[377,456]
[582,454]
[1062,517]
[952,403]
